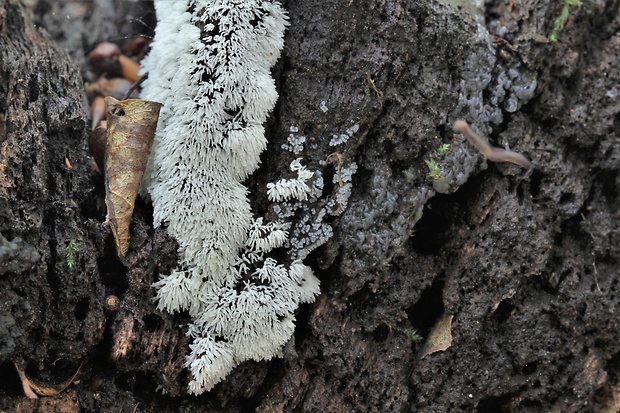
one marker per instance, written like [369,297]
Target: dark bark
[525,260]
[43,166]
[52,310]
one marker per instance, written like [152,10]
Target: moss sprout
[432,162]
[411,333]
[70,250]
[559,23]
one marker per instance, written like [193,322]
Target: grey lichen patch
[474,8]
[295,142]
[308,217]
[344,137]
[382,226]
[489,86]
[457,167]
[313,229]
[16,256]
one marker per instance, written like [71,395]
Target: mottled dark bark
[43,167]
[525,260]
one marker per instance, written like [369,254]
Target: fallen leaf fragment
[130,68]
[33,388]
[116,87]
[440,337]
[137,46]
[25,383]
[130,131]
[102,57]
[96,145]
[97,111]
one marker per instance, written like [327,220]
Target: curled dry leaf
[116,87]
[130,131]
[33,388]
[440,337]
[97,111]
[25,383]
[96,146]
[129,68]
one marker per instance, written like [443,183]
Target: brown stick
[492,153]
[135,85]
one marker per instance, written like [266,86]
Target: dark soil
[526,261]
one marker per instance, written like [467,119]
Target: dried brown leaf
[130,131]
[96,145]
[43,389]
[440,337]
[97,111]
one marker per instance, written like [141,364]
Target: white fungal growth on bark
[297,188]
[210,66]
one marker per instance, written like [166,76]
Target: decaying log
[51,300]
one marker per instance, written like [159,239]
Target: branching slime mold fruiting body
[210,66]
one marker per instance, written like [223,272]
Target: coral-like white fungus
[286,189]
[210,66]
[344,137]
[294,143]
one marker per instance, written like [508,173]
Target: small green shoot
[559,23]
[443,149]
[367,91]
[70,251]
[434,167]
[411,333]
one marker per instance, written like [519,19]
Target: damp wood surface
[525,261]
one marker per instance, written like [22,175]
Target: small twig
[135,85]
[598,287]
[492,153]
[118,111]
[377,91]
[339,157]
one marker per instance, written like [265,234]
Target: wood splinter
[492,153]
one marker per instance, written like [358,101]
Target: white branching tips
[253,317]
[305,279]
[176,292]
[210,66]
[210,361]
[286,189]
[264,238]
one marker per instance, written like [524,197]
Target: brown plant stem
[492,153]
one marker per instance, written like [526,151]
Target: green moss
[411,333]
[367,91]
[435,170]
[70,251]
[559,23]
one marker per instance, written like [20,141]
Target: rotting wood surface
[526,262]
